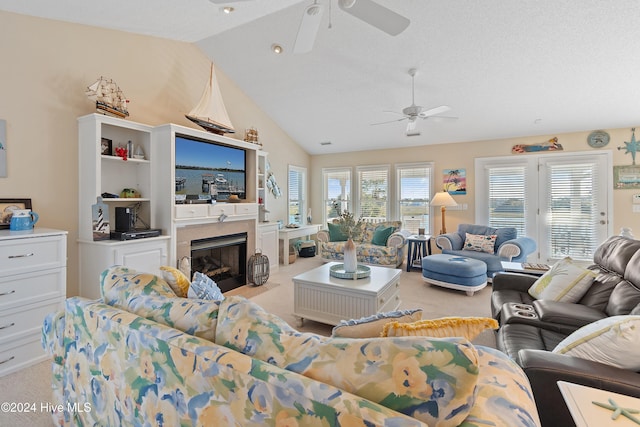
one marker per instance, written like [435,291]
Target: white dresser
[33,281]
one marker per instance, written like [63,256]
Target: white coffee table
[319,296]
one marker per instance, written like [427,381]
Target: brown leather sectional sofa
[530,329]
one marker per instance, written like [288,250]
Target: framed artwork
[106,147]
[7,206]
[454,181]
[626,177]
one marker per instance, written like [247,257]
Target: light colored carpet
[435,301]
[33,385]
[251,291]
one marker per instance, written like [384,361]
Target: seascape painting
[454,181]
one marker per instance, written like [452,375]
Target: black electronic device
[125,219]
[135,234]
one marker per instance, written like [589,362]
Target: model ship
[108,97]
[210,113]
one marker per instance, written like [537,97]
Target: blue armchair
[508,246]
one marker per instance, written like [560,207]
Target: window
[414,189]
[507,197]
[337,192]
[560,200]
[297,194]
[373,193]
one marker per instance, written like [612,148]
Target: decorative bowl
[338,272]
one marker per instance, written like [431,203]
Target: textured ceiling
[506,69]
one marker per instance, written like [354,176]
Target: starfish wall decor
[631,146]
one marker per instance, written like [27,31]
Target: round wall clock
[598,139]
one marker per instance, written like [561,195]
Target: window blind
[373,183]
[507,197]
[296,197]
[572,212]
[414,189]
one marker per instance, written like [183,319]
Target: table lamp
[443,199]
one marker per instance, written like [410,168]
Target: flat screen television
[207,171]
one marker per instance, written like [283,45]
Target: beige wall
[46,66]
[462,156]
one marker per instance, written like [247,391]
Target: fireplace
[222,258]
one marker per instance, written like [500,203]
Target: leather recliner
[530,340]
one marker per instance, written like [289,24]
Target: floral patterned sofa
[391,255]
[143,356]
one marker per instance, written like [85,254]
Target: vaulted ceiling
[506,68]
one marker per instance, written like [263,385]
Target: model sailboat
[210,113]
[109,98]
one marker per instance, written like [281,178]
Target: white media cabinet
[154,179]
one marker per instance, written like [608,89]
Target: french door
[573,206]
[562,200]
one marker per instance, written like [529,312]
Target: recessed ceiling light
[276,48]
[227,9]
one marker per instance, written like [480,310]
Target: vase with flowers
[352,228]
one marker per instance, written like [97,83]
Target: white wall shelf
[100,173]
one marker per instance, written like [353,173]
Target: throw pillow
[372,326]
[336,234]
[203,287]
[467,327]
[432,380]
[564,282]
[381,235]
[176,279]
[612,341]
[480,243]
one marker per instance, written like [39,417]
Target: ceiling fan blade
[308,28]
[390,121]
[374,14]
[441,118]
[395,112]
[434,111]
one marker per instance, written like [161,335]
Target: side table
[579,400]
[286,234]
[418,247]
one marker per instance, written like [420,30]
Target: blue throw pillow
[203,287]
[381,235]
[336,234]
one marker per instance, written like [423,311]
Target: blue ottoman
[455,272]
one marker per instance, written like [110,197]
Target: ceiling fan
[366,10]
[414,112]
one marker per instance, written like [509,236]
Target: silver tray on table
[337,271]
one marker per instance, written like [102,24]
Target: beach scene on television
[204,170]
